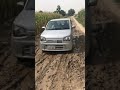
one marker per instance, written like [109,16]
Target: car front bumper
[24,48]
[56,46]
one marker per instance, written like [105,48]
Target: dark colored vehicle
[88,26]
[23,33]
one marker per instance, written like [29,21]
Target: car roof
[60,19]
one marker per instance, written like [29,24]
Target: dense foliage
[60,11]
[81,17]
[71,12]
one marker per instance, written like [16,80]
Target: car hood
[26,19]
[56,33]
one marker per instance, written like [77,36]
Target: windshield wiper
[55,29]
[65,28]
[50,29]
[58,29]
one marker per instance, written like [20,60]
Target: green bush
[81,17]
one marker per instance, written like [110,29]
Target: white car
[57,35]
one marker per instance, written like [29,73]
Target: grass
[81,17]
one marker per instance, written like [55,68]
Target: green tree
[81,17]
[41,11]
[58,9]
[62,12]
[71,12]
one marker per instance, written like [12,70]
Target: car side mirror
[73,26]
[20,3]
[92,2]
[43,27]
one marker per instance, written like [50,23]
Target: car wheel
[71,49]
[43,51]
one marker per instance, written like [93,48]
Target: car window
[30,5]
[58,25]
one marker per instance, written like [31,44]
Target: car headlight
[68,38]
[19,31]
[43,39]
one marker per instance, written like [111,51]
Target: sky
[51,5]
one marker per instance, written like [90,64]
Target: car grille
[29,50]
[54,41]
[59,41]
[56,47]
[51,41]
[59,47]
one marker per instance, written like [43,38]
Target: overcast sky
[51,5]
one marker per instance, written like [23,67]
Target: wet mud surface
[61,70]
[103,71]
[14,74]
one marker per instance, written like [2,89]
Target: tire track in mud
[59,76]
[44,67]
[61,70]
[41,60]
[12,73]
[51,66]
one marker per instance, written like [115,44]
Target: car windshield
[30,5]
[58,25]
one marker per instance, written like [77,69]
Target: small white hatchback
[57,35]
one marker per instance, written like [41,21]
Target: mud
[14,74]
[61,70]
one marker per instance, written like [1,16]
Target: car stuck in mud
[23,32]
[57,35]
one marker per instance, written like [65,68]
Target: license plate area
[51,41]
[50,47]
[29,50]
[59,47]
[55,47]
[59,41]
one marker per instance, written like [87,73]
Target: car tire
[43,51]
[71,49]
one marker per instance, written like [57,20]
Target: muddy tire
[71,49]
[43,51]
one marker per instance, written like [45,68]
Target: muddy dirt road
[14,75]
[61,70]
